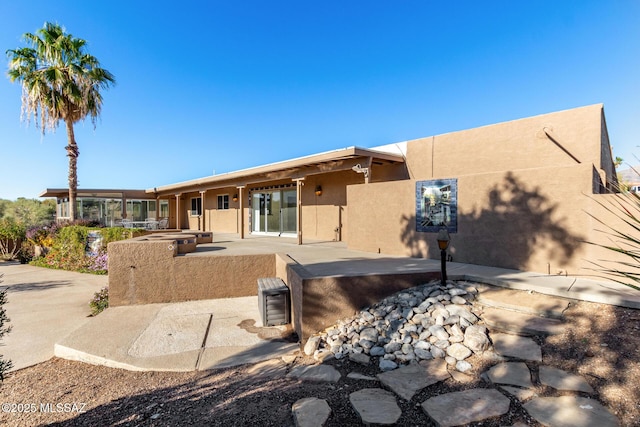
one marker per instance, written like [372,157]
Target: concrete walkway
[44,306]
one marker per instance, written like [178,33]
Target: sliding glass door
[274,212]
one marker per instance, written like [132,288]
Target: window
[223,201]
[164,209]
[196,206]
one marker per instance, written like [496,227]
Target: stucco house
[517,194]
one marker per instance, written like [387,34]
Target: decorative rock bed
[422,323]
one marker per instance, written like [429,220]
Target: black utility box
[274,301]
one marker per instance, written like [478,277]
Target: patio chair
[163,224]
[150,224]
[126,223]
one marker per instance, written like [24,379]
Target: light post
[443,244]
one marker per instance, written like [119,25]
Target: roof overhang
[98,193]
[330,161]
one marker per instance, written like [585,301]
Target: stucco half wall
[151,271]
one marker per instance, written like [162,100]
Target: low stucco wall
[150,271]
[319,302]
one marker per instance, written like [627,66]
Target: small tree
[5,365]
[12,234]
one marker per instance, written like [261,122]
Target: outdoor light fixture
[235,197]
[318,190]
[443,244]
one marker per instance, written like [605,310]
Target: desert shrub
[100,301]
[624,239]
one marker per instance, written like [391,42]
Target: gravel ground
[602,343]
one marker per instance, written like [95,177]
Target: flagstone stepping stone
[315,373]
[310,412]
[516,346]
[532,303]
[511,373]
[521,323]
[570,411]
[521,394]
[375,406]
[563,380]
[408,380]
[463,407]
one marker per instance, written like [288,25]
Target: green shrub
[68,249]
[12,234]
[100,301]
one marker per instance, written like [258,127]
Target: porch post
[299,184]
[241,209]
[178,211]
[202,214]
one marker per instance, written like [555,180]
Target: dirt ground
[602,343]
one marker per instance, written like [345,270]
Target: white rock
[407,348]
[369,334]
[452,320]
[475,338]
[458,300]
[422,345]
[439,332]
[459,351]
[463,366]
[438,353]
[456,292]
[312,345]
[463,312]
[442,344]
[450,360]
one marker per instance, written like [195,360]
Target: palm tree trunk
[72,153]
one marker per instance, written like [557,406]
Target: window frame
[223,202]
[197,203]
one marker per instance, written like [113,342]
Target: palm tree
[60,81]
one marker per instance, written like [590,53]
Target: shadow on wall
[519,228]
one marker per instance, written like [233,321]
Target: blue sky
[206,86]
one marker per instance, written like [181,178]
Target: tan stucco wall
[532,220]
[521,197]
[516,145]
[149,271]
[320,302]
